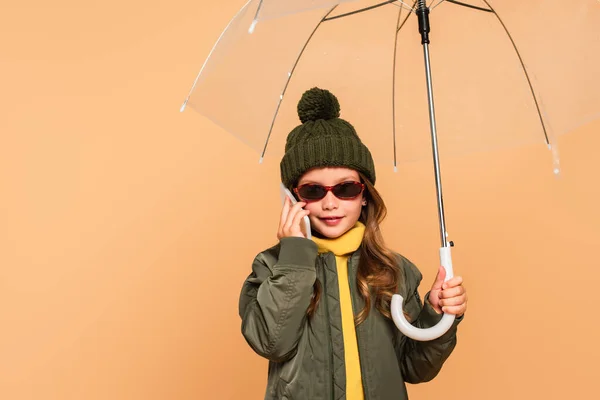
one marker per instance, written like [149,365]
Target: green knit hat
[323,140]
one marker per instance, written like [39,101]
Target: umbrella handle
[428,333]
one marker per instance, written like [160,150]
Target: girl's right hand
[291,219]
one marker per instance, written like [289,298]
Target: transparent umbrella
[497,73]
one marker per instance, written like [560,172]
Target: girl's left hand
[448,297]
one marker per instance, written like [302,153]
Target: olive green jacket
[307,355]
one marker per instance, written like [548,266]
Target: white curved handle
[429,333]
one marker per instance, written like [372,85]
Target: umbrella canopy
[504,73]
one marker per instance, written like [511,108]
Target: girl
[319,310]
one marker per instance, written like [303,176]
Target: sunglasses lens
[312,192]
[347,190]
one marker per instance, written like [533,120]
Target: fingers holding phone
[290,224]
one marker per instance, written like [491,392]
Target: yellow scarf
[342,247]
[345,244]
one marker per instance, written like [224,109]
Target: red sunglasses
[343,191]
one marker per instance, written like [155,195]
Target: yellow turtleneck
[342,247]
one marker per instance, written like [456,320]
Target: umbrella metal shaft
[423,15]
[435,149]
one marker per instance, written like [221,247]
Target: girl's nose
[329,202]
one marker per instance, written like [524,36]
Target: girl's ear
[364,203]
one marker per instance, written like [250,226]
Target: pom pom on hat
[318,104]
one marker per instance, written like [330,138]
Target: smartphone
[286,193]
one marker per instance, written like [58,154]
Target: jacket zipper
[328,326]
[362,368]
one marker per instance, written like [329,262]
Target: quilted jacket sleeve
[275,297]
[421,361]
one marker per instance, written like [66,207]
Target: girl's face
[331,216]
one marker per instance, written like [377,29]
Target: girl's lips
[331,221]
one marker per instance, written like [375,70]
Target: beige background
[126,234]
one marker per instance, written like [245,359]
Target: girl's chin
[331,232]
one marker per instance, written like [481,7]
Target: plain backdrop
[127,227]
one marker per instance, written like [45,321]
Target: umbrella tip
[555,159]
[395,168]
[261,160]
[183,106]
[252,26]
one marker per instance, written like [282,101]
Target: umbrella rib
[394,90]
[398,27]
[288,81]
[255,20]
[406,19]
[361,10]
[458,3]
[535,99]
[402,3]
